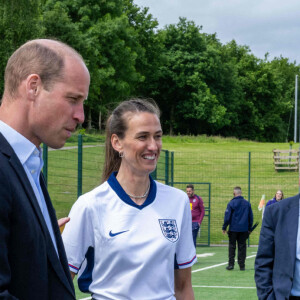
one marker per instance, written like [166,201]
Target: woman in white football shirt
[131,238]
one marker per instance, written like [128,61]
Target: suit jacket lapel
[292,217]
[21,174]
[60,266]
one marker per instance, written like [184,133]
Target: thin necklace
[140,197]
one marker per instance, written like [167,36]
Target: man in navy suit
[277,264]
[46,83]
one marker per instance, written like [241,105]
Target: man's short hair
[36,57]
[238,190]
[190,186]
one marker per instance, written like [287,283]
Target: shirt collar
[115,185]
[21,145]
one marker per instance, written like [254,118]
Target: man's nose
[79,113]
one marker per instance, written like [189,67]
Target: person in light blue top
[278,197]
[46,83]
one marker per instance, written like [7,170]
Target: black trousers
[240,238]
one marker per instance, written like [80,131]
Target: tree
[149,48]
[184,96]
[19,22]
[100,31]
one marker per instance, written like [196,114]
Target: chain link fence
[75,170]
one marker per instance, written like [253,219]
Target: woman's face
[278,195]
[142,143]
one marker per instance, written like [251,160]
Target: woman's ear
[116,143]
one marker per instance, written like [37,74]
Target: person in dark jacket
[277,263]
[239,217]
[45,85]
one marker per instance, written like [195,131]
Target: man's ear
[33,86]
[116,143]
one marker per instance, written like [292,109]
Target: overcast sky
[264,25]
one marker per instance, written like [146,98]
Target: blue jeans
[195,229]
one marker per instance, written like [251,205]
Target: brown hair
[117,124]
[42,57]
[282,196]
[190,186]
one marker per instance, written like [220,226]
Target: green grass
[216,143]
[217,282]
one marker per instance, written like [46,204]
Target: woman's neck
[136,186]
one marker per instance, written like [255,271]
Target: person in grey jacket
[239,217]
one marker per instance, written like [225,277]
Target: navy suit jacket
[276,255]
[29,266]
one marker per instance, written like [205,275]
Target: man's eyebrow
[147,132]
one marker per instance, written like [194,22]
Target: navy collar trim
[115,185]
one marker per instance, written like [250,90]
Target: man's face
[55,113]
[190,192]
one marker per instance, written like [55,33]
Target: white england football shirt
[126,251]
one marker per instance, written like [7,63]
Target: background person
[278,197]
[277,263]
[123,235]
[197,209]
[239,217]
[46,83]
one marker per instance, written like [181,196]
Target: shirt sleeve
[78,234]
[250,218]
[185,249]
[227,216]
[202,209]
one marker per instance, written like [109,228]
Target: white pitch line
[205,254]
[218,265]
[224,287]
[86,298]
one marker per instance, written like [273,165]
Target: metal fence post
[172,168]
[45,159]
[249,185]
[208,231]
[79,170]
[167,168]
